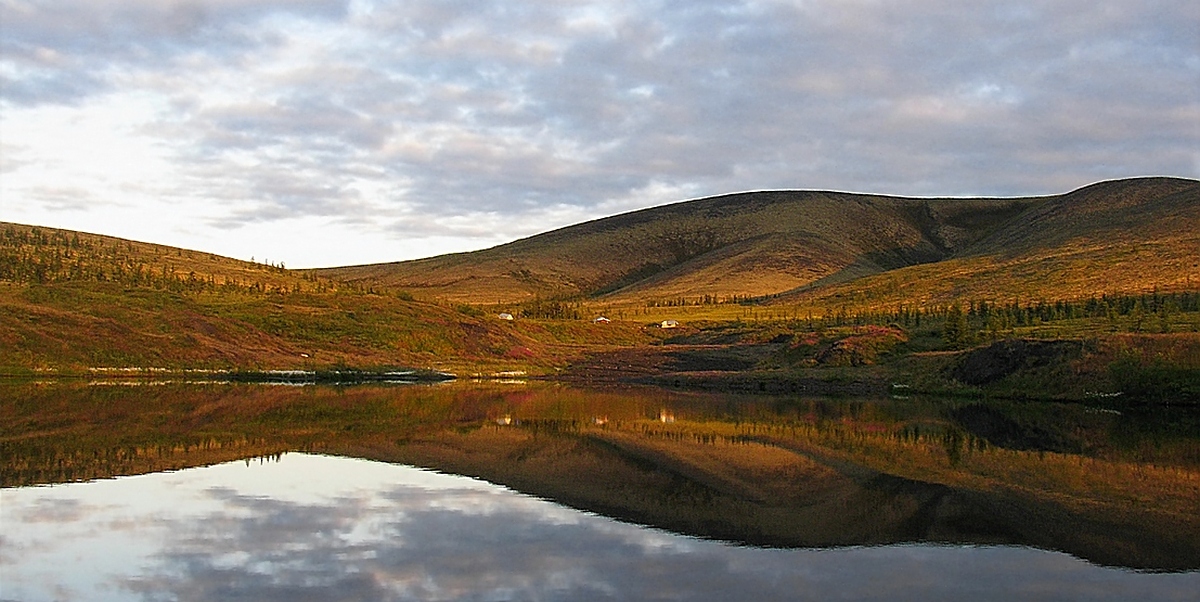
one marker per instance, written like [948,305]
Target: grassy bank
[79,304]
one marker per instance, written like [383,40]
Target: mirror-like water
[314,527]
[859,499]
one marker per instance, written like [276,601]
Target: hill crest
[757,244]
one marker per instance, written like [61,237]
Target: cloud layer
[427,126]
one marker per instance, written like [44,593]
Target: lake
[215,491]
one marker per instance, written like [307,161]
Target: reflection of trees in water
[777,471]
[31,465]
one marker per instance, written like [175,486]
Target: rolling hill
[71,301]
[818,247]
[1117,237]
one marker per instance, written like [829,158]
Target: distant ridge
[1114,236]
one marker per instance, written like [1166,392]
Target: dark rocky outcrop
[1005,358]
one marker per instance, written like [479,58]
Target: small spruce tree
[956,331]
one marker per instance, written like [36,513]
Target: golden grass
[747,244]
[832,249]
[73,301]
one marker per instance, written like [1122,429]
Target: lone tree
[956,332]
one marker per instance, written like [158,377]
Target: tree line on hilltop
[37,256]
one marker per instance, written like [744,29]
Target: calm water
[313,527]
[113,492]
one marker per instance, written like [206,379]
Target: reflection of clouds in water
[426,544]
[338,529]
[410,542]
[51,510]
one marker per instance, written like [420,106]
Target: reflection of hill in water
[318,527]
[776,472]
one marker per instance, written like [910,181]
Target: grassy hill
[747,244]
[74,301]
[1120,236]
[71,302]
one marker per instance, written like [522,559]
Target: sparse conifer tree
[955,332]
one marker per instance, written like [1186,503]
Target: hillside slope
[747,244]
[75,301]
[71,301]
[1117,236]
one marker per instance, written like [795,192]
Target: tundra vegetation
[804,291]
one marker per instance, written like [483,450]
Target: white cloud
[421,119]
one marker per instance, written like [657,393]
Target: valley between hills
[1089,295]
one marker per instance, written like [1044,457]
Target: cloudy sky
[332,132]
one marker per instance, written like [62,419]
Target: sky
[335,132]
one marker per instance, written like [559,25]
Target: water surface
[322,528]
[161,493]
